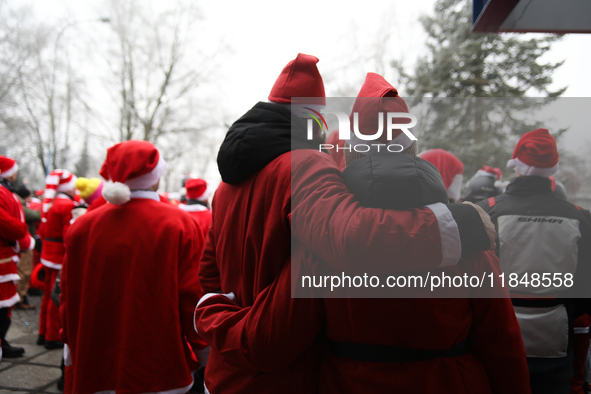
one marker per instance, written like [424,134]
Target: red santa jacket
[12,240]
[53,230]
[129,290]
[270,195]
[11,229]
[279,333]
[96,203]
[200,213]
[9,247]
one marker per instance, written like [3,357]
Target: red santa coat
[278,330]
[279,333]
[55,225]
[300,194]
[12,241]
[129,289]
[277,187]
[200,213]
[96,203]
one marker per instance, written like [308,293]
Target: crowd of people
[148,295]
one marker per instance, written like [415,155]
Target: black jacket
[540,233]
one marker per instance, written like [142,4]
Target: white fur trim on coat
[51,264]
[10,302]
[451,244]
[192,208]
[454,191]
[145,194]
[67,356]
[526,169]
[9,278]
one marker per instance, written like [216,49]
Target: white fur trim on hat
[148,180]
[526,169]
[455,189]
[205,194]
[485,173]
[116,193]
[10,172]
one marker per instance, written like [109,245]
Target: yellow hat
[87,186]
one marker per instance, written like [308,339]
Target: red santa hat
[535,154]
[493,172]
[58,181]
[377,95]
[300,78]
[130,165]
[450,168]
[197,189]
[8,167]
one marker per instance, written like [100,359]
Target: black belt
[393,354]
[60,240]
[533,303]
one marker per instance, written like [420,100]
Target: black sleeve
[473,235]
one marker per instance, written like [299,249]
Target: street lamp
[53,77]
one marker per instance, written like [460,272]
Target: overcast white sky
[265,34]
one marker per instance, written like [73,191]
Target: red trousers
[49,318]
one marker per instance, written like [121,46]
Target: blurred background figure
[450,168]
[484,184]
[13,241]
[91,190]
[25,266]
[197,202]
[56,216]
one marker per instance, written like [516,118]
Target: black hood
[257,138]
[396,181]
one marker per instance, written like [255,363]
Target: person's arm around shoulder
[328,220]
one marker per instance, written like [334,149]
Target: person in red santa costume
[56,214]
[130,284]
[278,188]
[450,168]
[384,345]
[12,241]
[197,202]
[11,230]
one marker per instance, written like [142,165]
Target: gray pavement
[38,370]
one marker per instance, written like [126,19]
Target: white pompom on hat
[130,165]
